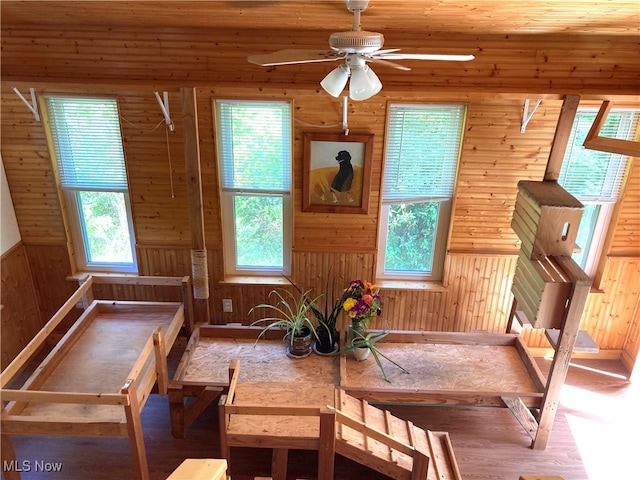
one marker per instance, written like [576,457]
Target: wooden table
[474,369]
[202,373]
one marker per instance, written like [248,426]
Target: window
[254,155]
[87,144]
[421,158]
[594,178]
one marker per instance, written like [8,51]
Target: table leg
[279,463]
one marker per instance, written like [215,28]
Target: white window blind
[591,175]
[423,145]
[255,145]
[87,142]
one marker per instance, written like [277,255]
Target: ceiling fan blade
[386,63]
[290,56]
[425,56]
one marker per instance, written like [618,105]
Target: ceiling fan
[356,48]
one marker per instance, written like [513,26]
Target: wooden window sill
[411,285]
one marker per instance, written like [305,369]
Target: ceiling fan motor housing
[356,42]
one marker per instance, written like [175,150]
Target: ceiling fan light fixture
[364,83]
[336,80]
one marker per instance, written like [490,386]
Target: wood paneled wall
[624,238]
[515,62]
[21,318]
[482,246]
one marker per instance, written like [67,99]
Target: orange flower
[367,299]
[367,285]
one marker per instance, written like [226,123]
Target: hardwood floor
[594,438]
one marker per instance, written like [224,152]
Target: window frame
[439,251]
[78,234]
[607,205]
[229,194]
[77,229]
[445,209]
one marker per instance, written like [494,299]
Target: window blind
[422,150]
[87,142]
[254,145]
[591,175]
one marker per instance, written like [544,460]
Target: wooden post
[279,460]
[581,285]
[223,425]
[420,467]
[134,428]
[561,137]
[176,410]
[187,300]
[8,458]
[327,449]
[200,273]
[160,353]
[512,314]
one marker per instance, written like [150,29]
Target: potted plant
[293,317]
[367,343]
[327,334]
[362,302]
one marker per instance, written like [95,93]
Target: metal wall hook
[526,116]
[164,106]
[33,105]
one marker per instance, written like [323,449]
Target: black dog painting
[336,173]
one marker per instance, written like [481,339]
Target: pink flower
[367,299]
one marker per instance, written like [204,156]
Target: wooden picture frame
[336,173]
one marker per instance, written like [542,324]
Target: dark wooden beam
[561,137]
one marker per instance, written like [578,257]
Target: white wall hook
[164,106]
[526,116]
[33,105]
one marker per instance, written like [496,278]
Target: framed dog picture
[336,173]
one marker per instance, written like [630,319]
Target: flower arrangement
[362,301]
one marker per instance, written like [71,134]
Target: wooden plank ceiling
[205,42]
[390,16]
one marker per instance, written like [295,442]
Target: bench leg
[279,461]
[134,427]
[10,466]
[176,411]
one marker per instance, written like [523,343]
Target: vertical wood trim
[194,188]
[561,137]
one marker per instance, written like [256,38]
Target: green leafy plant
[369,341]
[293,314]
[328,318]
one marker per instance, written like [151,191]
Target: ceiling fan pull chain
[345,125]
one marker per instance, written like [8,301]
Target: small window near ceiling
[87,146]
[420,164]
[254,157]
[595,178]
